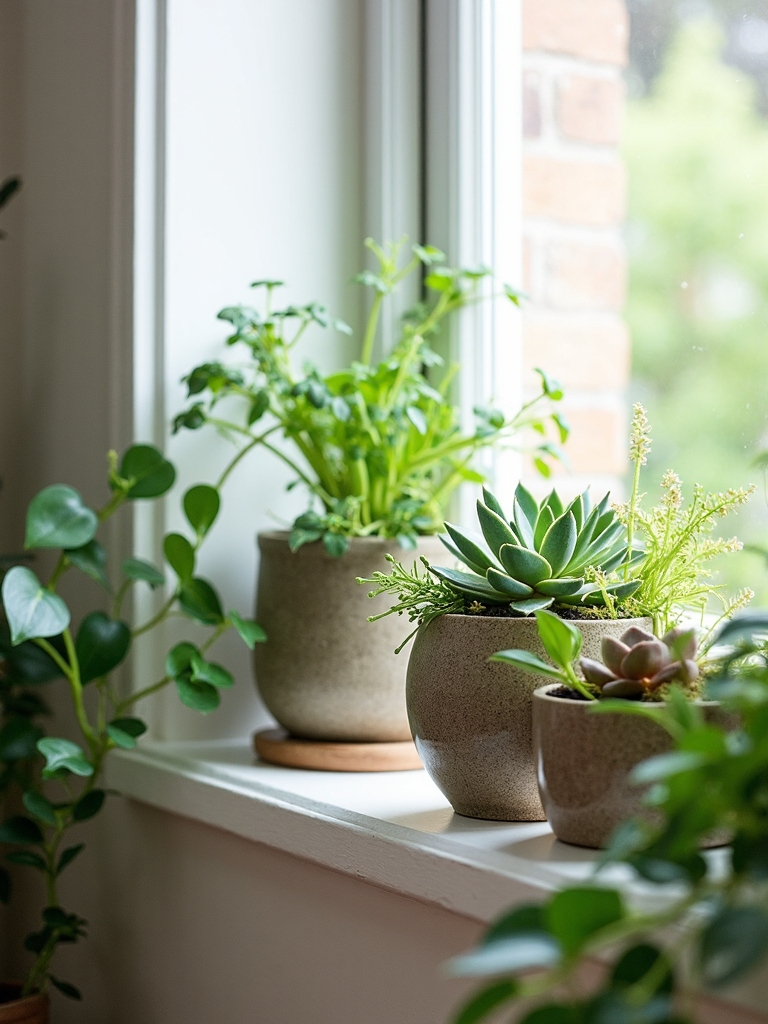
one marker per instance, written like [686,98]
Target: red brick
[583,353]
[594,29]
[591,192]
[590,109]
[586,276]
[531,105]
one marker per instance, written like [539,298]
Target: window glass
[696,149]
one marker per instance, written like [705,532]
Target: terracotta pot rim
[542,693]
[280,538]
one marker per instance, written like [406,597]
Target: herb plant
[378,445]
[674,576]
[43,646]
[714,914]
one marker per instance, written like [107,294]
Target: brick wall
[573,204]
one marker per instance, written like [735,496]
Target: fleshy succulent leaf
[553,502]
[545,519]
[493,503]
[531,605]
[495,529]
[595,672]
[506,585]
[468,584]
[525,565]
[469,548]
[527,504]
[613,652]
[566,586]
[635,635]
[559,542]
[645,659]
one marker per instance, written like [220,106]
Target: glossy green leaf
[152,474]
[636,963]
[199,696]
[485,1002]
[91,559]
[335,544]
[562,641]
[28,859]
[201,506]
[89,805]
[662,766]
[102,643]
[39,807]
[180,556]
[68,856]
[200,601]
[733,942]
[66,989]
[210,672]
[574,915]
[63,755]
[18,739]
[57,518]
[21,830]
[137,569]
[553,1013]
[32,610]
[27,663]
[507,955]
[524,565]
[179,659]
[527,662]
[251,633]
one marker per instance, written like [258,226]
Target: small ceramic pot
[584,761]
[15,1010]
[326,673]
[471,718]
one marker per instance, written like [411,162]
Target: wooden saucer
[277,747]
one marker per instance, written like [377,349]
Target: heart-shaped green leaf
[57,518]
[125,731]
[40,807]
[200,601]
[251,633]
[18,739]
[199,696]
[31,610]
[67,857]
[201,506]
[180,555]
[63,755]
[20,829]
[179,659]
[101,645]
[91,559]
[137,569]
[150,472]
[89,805]
[210,672]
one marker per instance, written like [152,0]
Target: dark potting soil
[567,693]
[495,611]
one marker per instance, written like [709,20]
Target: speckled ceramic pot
[471,718]
[32,1009]
[584,761]
[326,673]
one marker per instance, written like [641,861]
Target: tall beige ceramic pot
[326,673]
[471,718]
[584,762]
[14,1009]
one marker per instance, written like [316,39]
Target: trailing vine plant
[43,645]
[378,445]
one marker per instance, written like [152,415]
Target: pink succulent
[639,663]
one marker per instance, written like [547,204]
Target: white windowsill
[392,829]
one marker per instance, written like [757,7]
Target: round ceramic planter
[584,761]
[15,1010]
[471,718]
[326,673]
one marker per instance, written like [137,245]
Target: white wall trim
[474,207]
[393,139]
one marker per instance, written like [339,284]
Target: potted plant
[60,782]
[471,719]
[379,448]
[584,806]
[703,924]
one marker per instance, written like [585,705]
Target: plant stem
[370,331]
[631,517]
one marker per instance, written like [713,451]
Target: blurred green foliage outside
[696,147]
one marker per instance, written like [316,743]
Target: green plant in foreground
[634,667]
[43,646]
[708,925]
[541,555]
[379,446]
[673,577]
